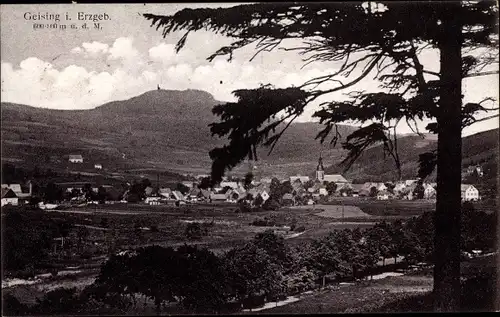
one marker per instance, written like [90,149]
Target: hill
[160,130]
[480,148]
[167,130]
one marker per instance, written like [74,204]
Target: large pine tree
[382,39]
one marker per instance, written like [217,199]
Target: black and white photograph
[249,158]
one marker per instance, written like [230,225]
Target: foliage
[419,190]
[27,238]
[182,188]
[373,191]
[331,187]
[53,193]
[251,272]
[194,231]
[247,182]
[271,204]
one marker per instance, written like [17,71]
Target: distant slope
[160,129]
[480,148]
[167,130]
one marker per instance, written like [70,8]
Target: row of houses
[13,194]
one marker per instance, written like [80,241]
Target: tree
[27,239]
[182,188]
[258,201]
[251,272]
[53,193]
[419,190]
[373,191]
[203,283]
[152,271]
[331,187]
[382,38]
[205,183]
[274,246]
[308,184]
[101,195]
[89,193]
[247,182]
[194,231]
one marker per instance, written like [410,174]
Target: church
[322,177]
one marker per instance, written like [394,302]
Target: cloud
[127,72]
[91,49]
[123,48]
[95,47]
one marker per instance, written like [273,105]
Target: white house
[469,192]
[75,158]
[153,200]
[429,191]
[98,166]
[323,191]
[9,197]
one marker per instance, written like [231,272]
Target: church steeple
[320,170]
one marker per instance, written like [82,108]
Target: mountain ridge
[168,130]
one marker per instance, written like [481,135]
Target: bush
[194,231]
[271,204]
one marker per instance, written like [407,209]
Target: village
[255,192]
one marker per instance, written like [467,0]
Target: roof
[336,178]
[177,195]
[205,193]
[357,187]
[8,193]
[383,192]
[299,177]
[16,188]
[464,187]
[218,196]
[288,196]
[233,185]
[195,192]
[75,157]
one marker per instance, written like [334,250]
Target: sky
[125,57]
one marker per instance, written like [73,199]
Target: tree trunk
[447,216]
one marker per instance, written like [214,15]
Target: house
[410,182]
[265,196]
[399,186]
[469,193]
[322,177]
[9,197]
[383,195]
[194,194]
[153,200]
[300,178]
[288,199]
[75,158]
[336,178]
[177,195]
[17,189]
[344,188]
[98,166]
[266,180]
[165,192]
[188,184]
[149,190]
[357,189]
[234,195]
[430,191]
